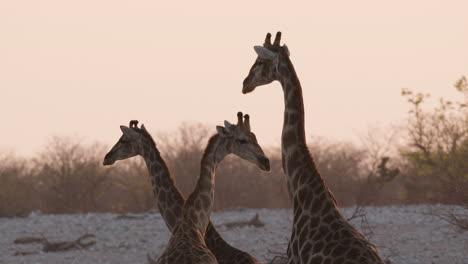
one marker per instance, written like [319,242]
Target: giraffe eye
[243,141]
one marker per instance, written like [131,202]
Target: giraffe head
[132,143]
[242,142]
[265,69]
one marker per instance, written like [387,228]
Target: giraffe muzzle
[264,164]
[108,160]
[247,86]
[247,89]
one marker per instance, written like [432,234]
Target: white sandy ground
[404,235]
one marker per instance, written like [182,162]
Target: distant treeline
[424,160]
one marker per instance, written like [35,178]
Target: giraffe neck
[170,203]
[298,165]
[311,198]
[293,124]
[293,141]
[199,205]
[169,199]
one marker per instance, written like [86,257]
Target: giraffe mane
[209,146]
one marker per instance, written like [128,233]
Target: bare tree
[17,188]
[71,176]
[183,150]
[132,190]
[340,163]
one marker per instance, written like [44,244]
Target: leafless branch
[255,221]
[48,246]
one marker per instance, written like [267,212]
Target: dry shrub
[458,218]
[68,176]
[240,183]
[182,150]
[340,164]
[131,187]
[71,177]
[17,188]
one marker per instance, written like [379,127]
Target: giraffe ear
[286,50]
[128,132]
[265,53]
[227,124]
[223,131]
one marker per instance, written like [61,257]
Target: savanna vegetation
[424,160]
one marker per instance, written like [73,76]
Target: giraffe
[137,141]
[320,233]
[187,243]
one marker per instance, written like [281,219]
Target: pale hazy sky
[82,68]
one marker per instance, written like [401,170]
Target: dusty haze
[84,68]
